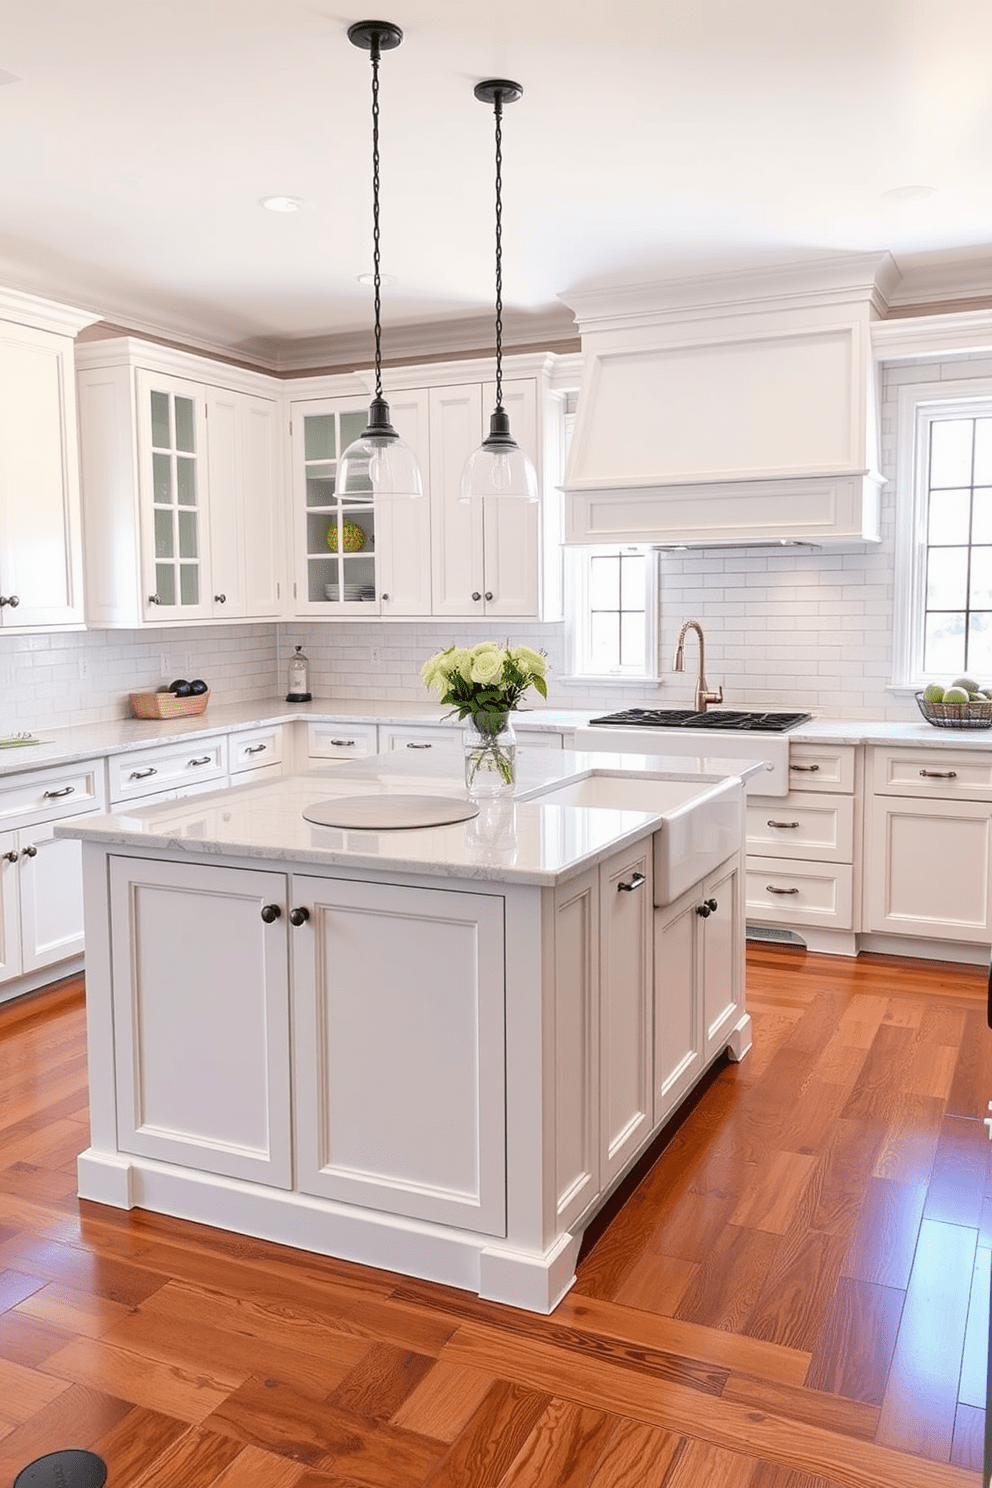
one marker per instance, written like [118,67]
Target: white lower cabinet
[400,1076]
[41,894]
[256,754]
[929,845]
[213,965]
[698,983]
[201,1016]
[625,1014]
[432,739]
[335,741]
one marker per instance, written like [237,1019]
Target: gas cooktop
[720,719]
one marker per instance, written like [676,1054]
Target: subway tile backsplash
[791,627]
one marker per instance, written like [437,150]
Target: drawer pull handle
[204,759]
[66,790]
[637,879]
[143,774]
[299,916]
[939,774]
[411,745]
[256,748]
[30,851]
[811,768]
[270,913]
[343,743]
[781,824]
[771,889]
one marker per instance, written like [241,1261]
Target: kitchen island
[435,1050]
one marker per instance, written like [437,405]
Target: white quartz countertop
[87,741]
[518,840]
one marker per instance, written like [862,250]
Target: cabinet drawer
[341,740]
[822,767]
[537,738]
[803,825]
[436,739]
[941,774]
[255,749]
[800,893]
[50,795]
[142,772]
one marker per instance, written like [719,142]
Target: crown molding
[46,315]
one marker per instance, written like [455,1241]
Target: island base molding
[854,943]
[533,1281]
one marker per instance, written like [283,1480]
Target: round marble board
[387,812]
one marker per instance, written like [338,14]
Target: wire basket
[956,715]
[167,704]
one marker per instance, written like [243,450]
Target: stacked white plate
[331,591]
[353,591]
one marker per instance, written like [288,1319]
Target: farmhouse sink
[701,823]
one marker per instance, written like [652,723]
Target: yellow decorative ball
[353,537]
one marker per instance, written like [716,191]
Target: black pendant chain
[498,111]
[377,276]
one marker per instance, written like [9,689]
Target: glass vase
[490,755]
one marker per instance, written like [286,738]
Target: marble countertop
[87,741]
[518,840]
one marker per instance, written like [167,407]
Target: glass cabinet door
[340,530]
[174,471]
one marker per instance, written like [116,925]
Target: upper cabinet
[180,461]
[437,556]
[354,556]
[41,575]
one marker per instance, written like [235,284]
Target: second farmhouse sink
[702,822]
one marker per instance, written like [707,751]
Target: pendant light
[378,463]
[499,468]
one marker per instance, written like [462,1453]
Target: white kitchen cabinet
[928,869]
[180,463]
[486,556]
[804,849]
[41,896]
[340,741]
[400,1079]
[431,739]
[140,776]
[256,754]
[201,1017]
[389,573]
[698,984]
[41,556]
[625,1008]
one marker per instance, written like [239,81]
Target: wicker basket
[956,715]
[167,704]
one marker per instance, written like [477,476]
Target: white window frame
[920,405]
[577,612]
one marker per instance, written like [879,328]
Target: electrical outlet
[375,656]
[84,668]
[164,666]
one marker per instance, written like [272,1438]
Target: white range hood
[730,409]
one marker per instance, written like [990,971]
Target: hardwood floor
[794,1294]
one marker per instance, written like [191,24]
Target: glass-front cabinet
[356,556]
[176,440]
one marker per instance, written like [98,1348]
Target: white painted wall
[789,628]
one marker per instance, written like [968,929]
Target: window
[612,607]
[944,534]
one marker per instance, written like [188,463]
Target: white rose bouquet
[485,683]
[480,681]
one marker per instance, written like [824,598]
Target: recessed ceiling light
[285,204]
[908,193]
[383,279]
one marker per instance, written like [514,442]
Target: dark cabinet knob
[154,599]
[220,599]
[476,595]
[9,599]
[703,911]
[11,857]
[270,912]
[31,851]
[712,906]
[299,916]
[489,594]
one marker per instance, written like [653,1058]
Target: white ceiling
[654,137]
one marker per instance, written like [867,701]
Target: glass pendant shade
[499,468]
[378,463]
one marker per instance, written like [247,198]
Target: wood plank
[496,1432]
[726,1423]
[443,1403]
[960,1174]
[188,1394]
[968,1449]
[921,1393]
[562,1449]
[974,1361]
[854,1349]
[884,1241]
